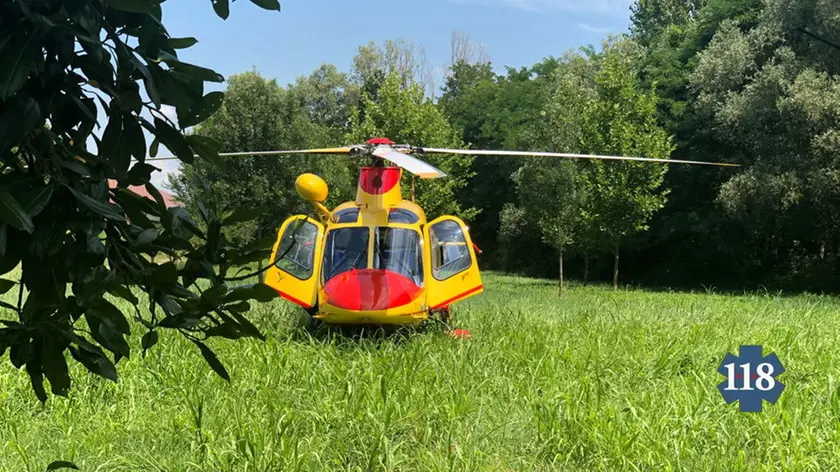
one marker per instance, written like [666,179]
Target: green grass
[596,380]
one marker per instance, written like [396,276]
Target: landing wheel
[441,314]
[440,318]
[444,316]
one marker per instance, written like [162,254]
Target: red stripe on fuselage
[458,297]
[293,299]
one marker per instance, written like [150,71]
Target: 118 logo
[751,378]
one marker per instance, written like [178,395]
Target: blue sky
[308,33]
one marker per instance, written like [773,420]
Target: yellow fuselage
[375,260]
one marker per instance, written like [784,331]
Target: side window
[401,215]
[296,253]
[450,254]
[348,215]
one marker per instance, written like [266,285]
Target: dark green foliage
[405,116]
[494,112]
[259,115]
[75,242]
[737,82]
[734,81]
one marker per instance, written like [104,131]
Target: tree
[684,244]
[493,112]
[558,203]
[467,88]
[592,104]
[326,97]
[463,51]
[399,57]
[405,116]
[75,238]
[621,120]
[259,115]
[772,94]
[551,195]
[650,18]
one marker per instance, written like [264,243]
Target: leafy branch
[72,234]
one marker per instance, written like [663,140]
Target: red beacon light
[379,141]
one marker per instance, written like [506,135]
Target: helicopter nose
[370,290]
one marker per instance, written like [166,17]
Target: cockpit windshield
[395,250]
[398,250]
[346,249]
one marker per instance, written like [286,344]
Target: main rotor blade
[417,167]
[478,152]
[341,150]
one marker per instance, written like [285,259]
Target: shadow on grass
[354,336]
[760,291]
[522,282]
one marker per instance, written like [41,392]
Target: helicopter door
[296,260]
[452,272]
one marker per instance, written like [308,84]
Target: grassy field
[596,380]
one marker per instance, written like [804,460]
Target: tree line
[749,82]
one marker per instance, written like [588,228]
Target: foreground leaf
[149,340]
[222,8]
[61,465]
[212,360]
[207,149]
[182,43]
[55,367]
[6,285]
[174,141]
[13,213]
[33,202]
[203,108]
[105,209]
[267,4]
[244,215]
[16,61]
[132,6]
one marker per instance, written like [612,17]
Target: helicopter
[378,260]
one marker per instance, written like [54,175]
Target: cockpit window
[401,215]
[395,250]
[348,215]
[297,249]
[448,246]
[346,249]
[398,250]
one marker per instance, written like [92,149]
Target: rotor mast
[379,183]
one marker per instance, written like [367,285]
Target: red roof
[168,199]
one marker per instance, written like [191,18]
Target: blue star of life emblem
[751,378]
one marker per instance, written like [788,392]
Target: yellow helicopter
[377,260]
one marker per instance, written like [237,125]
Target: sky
[306,34]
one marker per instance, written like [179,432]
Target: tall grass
[596,380]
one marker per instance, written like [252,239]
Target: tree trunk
[615,269]
[586,268]
[561,271]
